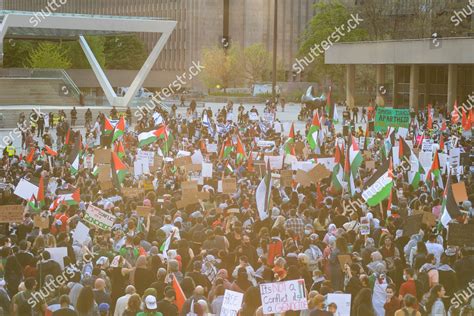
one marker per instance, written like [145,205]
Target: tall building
[201,24]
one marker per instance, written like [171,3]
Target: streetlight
[275,37]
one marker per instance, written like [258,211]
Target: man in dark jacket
[463,268]
[47,266]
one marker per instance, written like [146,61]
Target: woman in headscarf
[331,232]
[336,275]
[141,277]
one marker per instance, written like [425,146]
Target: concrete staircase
[35,91]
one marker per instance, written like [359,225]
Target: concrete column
[414,89]
[452,85]
[394,87]
[381,89]
[426,98]
[350,85]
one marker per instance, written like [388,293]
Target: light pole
[275,37]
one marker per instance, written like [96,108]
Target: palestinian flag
[353,158]
[119,129]
[167,243]
[388,142]
[263,194]
[429,125]
[290,142]
[108,127]
[443,126]
[118,148]
[338,172]
[379,186]
[75,164]
[226,148]
[73,198]
[31,155]
[414,176]
[55,205]
[449,209]
[404,151]
[68,137]
[455,113]
[435,166]
[313,131]
[167,144]
[150,137]
[119,170]
[95,171]
[36,203]
[392,200]
[50,151]
[180,297]
[240,152]
[466,121]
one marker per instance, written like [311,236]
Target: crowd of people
[181,258]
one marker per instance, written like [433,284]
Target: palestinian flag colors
[466,120]
[379,186]
[353,161]
[449,209]
[147,138]
[31,156]
[241,155]
[429,125]
[50,151]
[67,141]
[119,129]
[108,127]
[337,177]
[180,297]
[290,142]
[313,132]
[75,164]
[435,170]
[71,198]
[119,170]
[226,148]
[263,194]
[37,202]
[118,148]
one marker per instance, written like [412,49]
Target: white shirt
[435,249]
[121,305]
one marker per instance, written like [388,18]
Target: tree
[77,56]
[124,52]
[16,53]
[49,55]
[257,63]
[322,28]
[222,67]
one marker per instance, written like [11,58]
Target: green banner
[385,117]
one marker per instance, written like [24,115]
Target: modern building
[425,71]
[201,24]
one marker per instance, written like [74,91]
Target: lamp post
[275,37]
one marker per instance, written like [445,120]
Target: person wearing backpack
[26,303]
[410,307]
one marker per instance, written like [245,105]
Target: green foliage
[223,68]
[77,56]
[16,53]
[49,55]
[257,63]
[124,52]
[322,27]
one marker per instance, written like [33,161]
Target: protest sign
[197,158]
[106,185]
[11,213]
[132,192]
[428,218]
[279,297]
[144,210]
[299,148]
[140,167]
[342,301]
[461,235]
[364,228]
[193,168]
[343,260]
[183,161]
[268,117]
[40,222]
[318,173]
[459,192]
[157,163]
[189,187]
[102,155]
[89,162]
[303,165]
[105,173]
[302,178]
[426,159]
[58,254]
[146,156]
[276,162]
[327,162]
[427,145]
[81,233]
[206,170]
[385,117]
[412,224]
[265,143]
[99,218]
[229,185]
[211,148]
[232,303]
[26,189]
[286,178]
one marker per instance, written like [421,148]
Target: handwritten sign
[99,218]
[102,156]
[144,210]
[232,303]
[41,222]
[11,213]
[280,297]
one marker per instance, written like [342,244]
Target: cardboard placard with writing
[428,218]
[102,156]
[203,195]
[183,161]
[41,222]
[157,163]
[189,187]
[229,185]
[459,192]
[366,155]
[461,235]
[132,192]
[412,224]
[144,210]
[370,164]
[193,167]
[343,259]
[104,173]
[302,178]
[318,173]
[286,178]
[11,213]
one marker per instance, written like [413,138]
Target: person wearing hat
[151,307]
[104,309]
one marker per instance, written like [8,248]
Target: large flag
[119,170]
[119,129]
[337,177]
[379,186]
[36,203]
[180,297]
[404,151]
[450,209]
[240,152]
[435,170]
[290,142]
[263,194]
[313,131]
[108,127]
[226,148]
[73,198]
[150,137]
[353,162]
[119,149]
